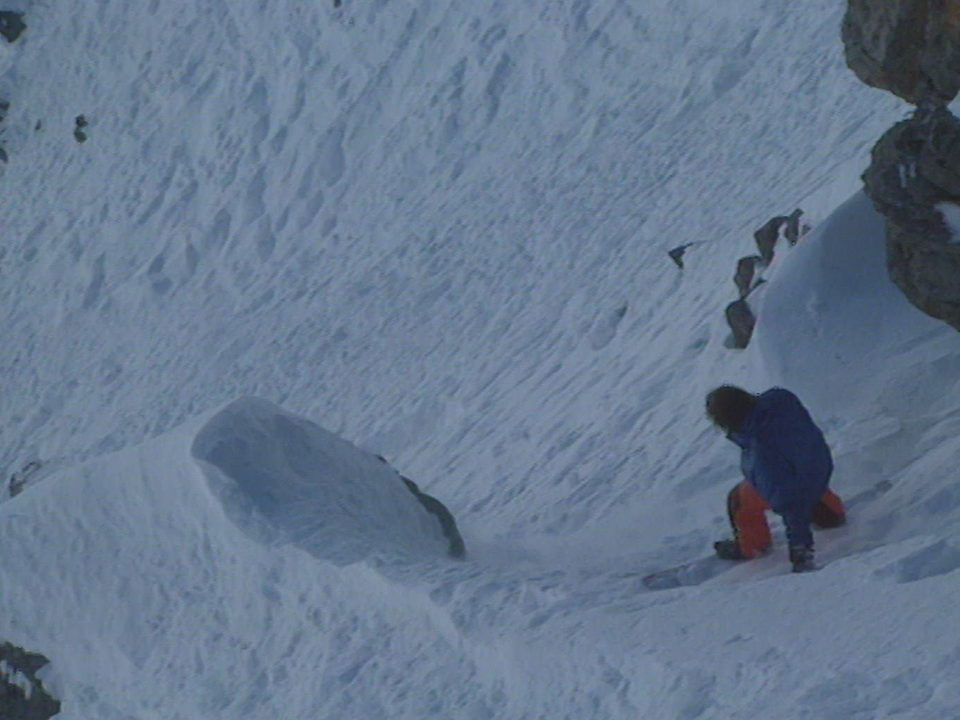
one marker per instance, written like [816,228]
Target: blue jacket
[786,459]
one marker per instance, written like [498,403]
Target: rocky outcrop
[22,694]
[912,49]
[747,277]
[908,47]
[914,168]
[676,254]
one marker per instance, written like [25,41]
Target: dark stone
[19,479]
[17,702]
[677,253]
[914,166]
[741,320]
[746,272]
[792,230]
[767,237]
[908,47]
[80,136]
[11,25]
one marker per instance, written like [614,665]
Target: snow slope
[439,231]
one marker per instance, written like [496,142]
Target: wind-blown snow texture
[439,231]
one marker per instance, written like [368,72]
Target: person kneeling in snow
[787,465]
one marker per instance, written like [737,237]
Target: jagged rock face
[22,695]
[914,167]
[909,47]
[926,271]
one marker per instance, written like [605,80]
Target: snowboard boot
[801,557]
[728,550]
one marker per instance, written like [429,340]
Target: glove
[801,557]
[728,550]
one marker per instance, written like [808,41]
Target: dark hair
[729,405]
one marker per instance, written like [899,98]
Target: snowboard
[693,572]
[702,569]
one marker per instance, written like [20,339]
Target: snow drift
[831,321]
[284,478]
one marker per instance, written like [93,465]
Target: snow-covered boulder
[282,478]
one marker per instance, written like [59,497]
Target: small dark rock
[677,253]
[792,230]
[19,479]
[746,272]
[80,136]
[767,237]
[11,25]
[81,121]
[742,321]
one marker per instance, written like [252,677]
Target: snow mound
[282,478]
[834,328]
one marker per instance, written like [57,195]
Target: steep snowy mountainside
[439,231]
[433,209]
[132,572]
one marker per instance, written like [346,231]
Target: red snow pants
[747,516]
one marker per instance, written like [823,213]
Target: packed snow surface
[299,236]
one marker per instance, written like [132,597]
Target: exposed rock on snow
[22,695]
[909,47]
[767,236]
[11,25]
[747,278]
[915,167]
[742,321]
[676,254]
[282,478]
[745,274]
